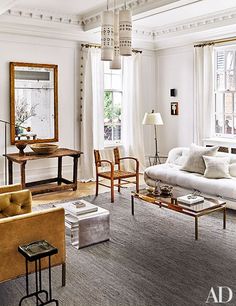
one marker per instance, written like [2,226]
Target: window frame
[110,143]
[224,92]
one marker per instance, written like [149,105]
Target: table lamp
[153,119]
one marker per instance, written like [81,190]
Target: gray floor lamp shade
[154,119]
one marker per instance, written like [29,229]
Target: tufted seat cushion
[15,203]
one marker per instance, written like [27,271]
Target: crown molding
[138,7]
[42,16]
[6,5]
[225,18]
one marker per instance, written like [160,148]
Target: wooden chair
[113,174]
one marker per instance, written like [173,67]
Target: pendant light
[116,62]
[107,35]
[125,27]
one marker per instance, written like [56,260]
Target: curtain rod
[98,46]
[215,42]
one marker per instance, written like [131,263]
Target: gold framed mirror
[33,102]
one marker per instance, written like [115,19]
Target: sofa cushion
[172,175]
[216,167]
[195,162]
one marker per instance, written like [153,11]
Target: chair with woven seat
[115,174]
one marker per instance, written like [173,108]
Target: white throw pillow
[232,169]
[195,162]
[217,167]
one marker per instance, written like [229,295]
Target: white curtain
[92,125]
[132,114]
[203,93]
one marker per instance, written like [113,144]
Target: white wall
[66,55]
[149,81]
[38,50]
[175,70]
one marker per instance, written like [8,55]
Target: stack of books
[80,207]
[190,199]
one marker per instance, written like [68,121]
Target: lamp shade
[152,119]
[107,39]
[125,25]
[116,62]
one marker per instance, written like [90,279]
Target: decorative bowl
[44,148]
[166,190]
[21,146]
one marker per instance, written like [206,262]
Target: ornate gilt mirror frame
[54,116]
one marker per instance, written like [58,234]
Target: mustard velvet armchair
[14,201]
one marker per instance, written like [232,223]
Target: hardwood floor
[84,189]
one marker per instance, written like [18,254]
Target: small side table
[35,251]
[154,160]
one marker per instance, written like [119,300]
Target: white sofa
[170,173]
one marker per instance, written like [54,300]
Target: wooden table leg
[59,177]
[196,228]
[10,172]
[75,172]
[224,218]
[22,172]
[132,204]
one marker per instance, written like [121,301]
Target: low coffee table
[201,209]
[88,228]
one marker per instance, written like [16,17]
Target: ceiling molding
[225,18]
[44,16]
[6,5]
[143,8]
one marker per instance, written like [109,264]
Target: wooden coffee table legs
[196,228]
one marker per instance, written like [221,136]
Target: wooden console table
[29,156]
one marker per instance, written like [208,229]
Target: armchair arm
[103,161]
[131,158]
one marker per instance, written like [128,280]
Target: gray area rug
[151,259]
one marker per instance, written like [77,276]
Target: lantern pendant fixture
[107,35]
[116,62]
[125,32]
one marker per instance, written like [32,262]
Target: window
[112,105]
[225,91]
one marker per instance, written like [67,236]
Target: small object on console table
[21,146]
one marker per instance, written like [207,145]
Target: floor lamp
[154,119]
[5,147]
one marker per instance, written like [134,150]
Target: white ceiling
[185,12]
[70,7]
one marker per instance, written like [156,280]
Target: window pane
[116,82]
[107,81]
[108,109]
[107,132]
[230,60]
[228,103]
[230,80]
[228,124]
[219,124]
[116,107]
[219,103]
[220,81]
[107,67]
[117,132]
[220,60]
